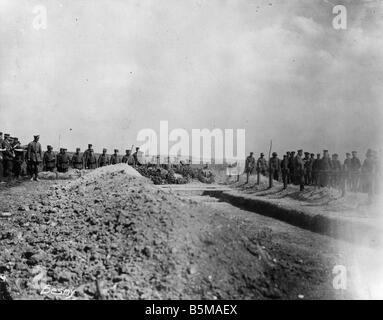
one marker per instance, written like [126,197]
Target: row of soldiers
[87,160]
[14,156]
[319,171]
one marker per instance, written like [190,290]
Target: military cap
[312,154]
[335,154]
[300,150]
[307,152]
[49,147]
[318,154]
[325,150]
[65,149]
[348,153]
[137,148]
[262,154]
[251,152]
[274,154]
[15,138]
[7,135]
[104,150]
[78,149]
[90,145]
[115,150]
[36,135]
[354,152]
[369,152]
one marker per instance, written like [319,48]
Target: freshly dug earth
[112,234]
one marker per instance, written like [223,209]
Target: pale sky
[109,68]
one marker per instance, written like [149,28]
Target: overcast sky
[108,68]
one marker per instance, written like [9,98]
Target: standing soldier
[63,161]
[103,159]
[128,158]
[306,161]
[368,170]
[114,159]
[19,157]
[249,166]
[285,170]
[261,167]
[274,168]
[49,160]
[78,160]
[347,170]
[34,157]
[336,168]
[299,169]
[86,153]
[315,170]
[8,156]
[292,167]
[135,157]
[355,167]
[91,160]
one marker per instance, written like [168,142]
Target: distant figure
[34,157]
[285,170]
[292,167]
[368,170]
[114,159]
[274,168]
[347,170]
[261,167]
[325,168]
[19,158]
[49,160]
[128,158]
[355,171]
[249,166]
[316,169]
[103,159]
[91,160]
[78,160]
[135,157]
[336,169]
[307,171]
[63,161]
[86,153]
[299,169]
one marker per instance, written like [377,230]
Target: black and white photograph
[191,150]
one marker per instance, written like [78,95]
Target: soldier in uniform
[115,158]
[299,169]
[306,161]
[34,157]
[336,168]
[63,161]
[78,160]
[274,168]
[128,158]
[368,170]
[135,157]
[347,169]
[324,169]
[19,158]
[249,166]
[315,170]
[292,167]
[49,160]
[103,159]
[261,167]
[355,166]
[8,156]
[91,160]
[285,170]
[86,153]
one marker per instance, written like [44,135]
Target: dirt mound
[104,235]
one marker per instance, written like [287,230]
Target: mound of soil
[105,235]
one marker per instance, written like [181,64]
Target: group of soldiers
[14,156]
[304,168]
